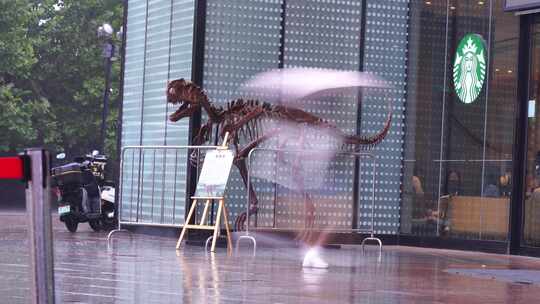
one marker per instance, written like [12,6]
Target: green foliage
[16,113]
[52,75]
[16,49]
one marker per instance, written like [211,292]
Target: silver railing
[144,176]
[357,155]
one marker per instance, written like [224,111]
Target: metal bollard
[39,210]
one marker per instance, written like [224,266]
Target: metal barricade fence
[152,185]
[279,178]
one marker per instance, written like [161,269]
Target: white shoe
[313,260]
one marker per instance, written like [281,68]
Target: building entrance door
[530,234]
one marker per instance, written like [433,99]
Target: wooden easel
[202,226]
[222,209]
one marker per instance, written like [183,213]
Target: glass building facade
[461,162]
[458,164]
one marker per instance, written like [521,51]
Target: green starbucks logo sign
[469,68]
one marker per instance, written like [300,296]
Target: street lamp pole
[106,31]
[106,94]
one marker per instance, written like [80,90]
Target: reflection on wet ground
[145,269]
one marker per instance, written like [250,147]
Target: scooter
[83,194]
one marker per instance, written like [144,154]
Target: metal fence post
[39,211]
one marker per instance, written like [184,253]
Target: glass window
[531,218]
[460,119]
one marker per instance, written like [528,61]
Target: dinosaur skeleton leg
[241,165]
[245,151]
[240,220]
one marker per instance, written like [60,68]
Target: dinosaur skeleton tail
[370,142]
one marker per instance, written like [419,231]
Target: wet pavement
[140,268]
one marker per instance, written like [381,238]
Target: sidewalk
[144,269]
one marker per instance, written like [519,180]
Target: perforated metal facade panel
[242,39]
[158,48]
[385,55]
[325,34]
[247,37]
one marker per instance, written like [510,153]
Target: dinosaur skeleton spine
[245,121]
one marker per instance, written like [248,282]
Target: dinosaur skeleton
[244,120]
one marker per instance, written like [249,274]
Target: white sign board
[215,173]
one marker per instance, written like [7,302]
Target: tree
[52,74]
[21,110]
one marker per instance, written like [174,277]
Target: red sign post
[33,168]
[13,167]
